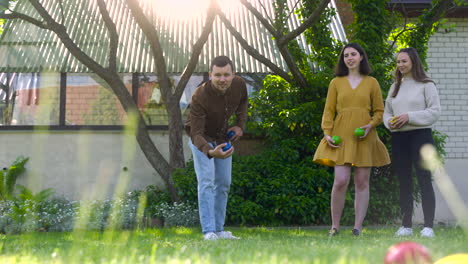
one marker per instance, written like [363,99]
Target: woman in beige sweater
[411,108]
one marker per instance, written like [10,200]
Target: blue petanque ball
[230,134]
[227,147]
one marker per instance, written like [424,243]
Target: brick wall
[448,66]
[346,13]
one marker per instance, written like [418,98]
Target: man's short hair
[221,61]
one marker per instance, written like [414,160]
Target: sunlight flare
[446,185]
[187,9]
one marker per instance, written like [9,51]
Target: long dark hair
[364,67]
[417,70]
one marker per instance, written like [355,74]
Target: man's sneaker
[427,232]
[210,236]
[404,231]
[226,235]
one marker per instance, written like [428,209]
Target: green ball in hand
[359,132]
[337,140]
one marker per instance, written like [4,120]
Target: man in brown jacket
[212,105]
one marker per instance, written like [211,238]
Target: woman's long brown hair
[417,70]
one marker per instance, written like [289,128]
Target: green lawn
[185,245]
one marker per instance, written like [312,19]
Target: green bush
[23,211]
[154,197]
[29,212]
[178,214]
[9,177]
[51,214]
[266,190]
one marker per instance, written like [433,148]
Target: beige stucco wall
[82,165]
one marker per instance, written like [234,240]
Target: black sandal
[356,232]
[333,232]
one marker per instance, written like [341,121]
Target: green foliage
[440,139]
[268,190]
[178,214]
[372,25]
[281,11]
[8,177]
[29,212]
[26,194]
[325,48]
[280,110]
[154,197]
[24,212]
[426,25]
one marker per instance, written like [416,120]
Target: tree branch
[114,37]
[16,15]
[262,19]
[197,48]
[395,39]
[61,32]
[251,50]
[61,11]
[265,10]
[176,159]
[312,19]
[155,45]
[292,10]
[283,46]
[439,10]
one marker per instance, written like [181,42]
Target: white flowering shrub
[123,213]
[28,213]
[18,216]
[5,209]
[178,214]
[57,214]
[119,213]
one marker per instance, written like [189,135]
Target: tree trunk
[155,158]
[176,144]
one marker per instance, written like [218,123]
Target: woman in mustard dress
[352,97]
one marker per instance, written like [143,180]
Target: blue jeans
[214,181]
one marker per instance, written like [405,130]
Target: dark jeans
[406,148]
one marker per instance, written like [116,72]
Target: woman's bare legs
[338,195]
[361,199]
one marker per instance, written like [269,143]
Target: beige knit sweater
[419,100]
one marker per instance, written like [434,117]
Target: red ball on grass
[407,252]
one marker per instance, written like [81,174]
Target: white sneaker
[226,235]
[427,232]
[404,231]
[210,236]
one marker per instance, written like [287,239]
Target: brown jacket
[210,112]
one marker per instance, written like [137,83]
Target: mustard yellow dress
[345,110]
